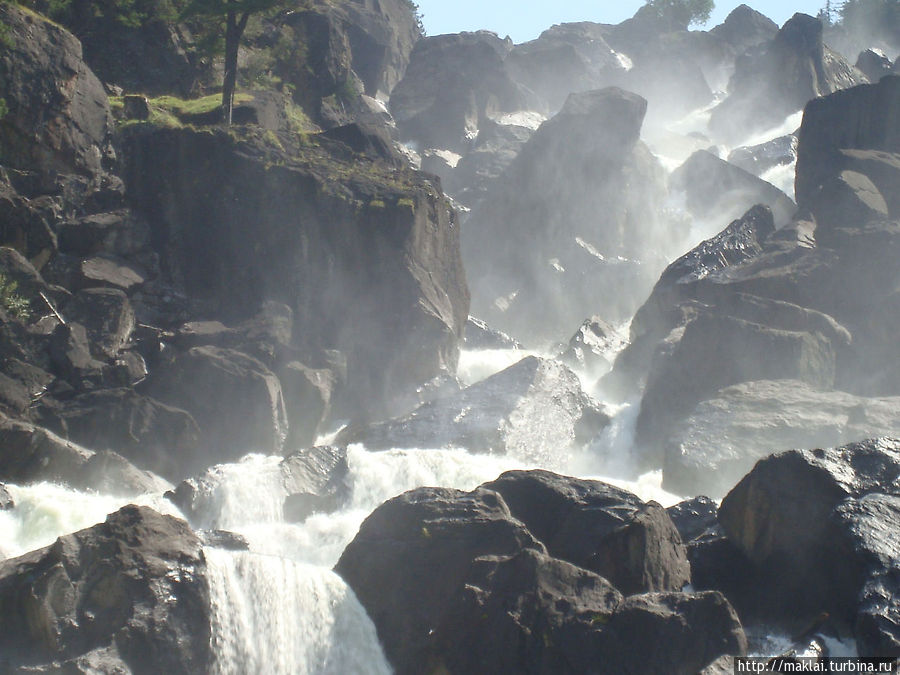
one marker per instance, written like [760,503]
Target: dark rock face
[149,433]
[715,188]
[133,587]
[778,78]
[725,435]
[452,580]
[32,454]
[860,119]
[413,554]
[383,238]
[236,401]
[583,192]
[820,527]
[530,411]
[59,117]
[600,528]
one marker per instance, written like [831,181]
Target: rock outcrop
[131,591]
[778,78]
[59,117]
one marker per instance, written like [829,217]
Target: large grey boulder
[725,435]
[59,117]
[131,590]
[532,411]
[584,193]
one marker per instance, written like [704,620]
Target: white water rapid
[278,608]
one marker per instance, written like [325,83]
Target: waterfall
[277,616]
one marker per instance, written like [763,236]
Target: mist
[450,353]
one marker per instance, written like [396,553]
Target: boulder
[778,78]
[413,554]
[531,411]
[451,581]
[151,434]
[70,352]
[307,401]
[121,233]
[481,336]
[728,433]
[744,27]
[565,58]
[600,528]
[108,317]
[592,348]
[32,454]
[874,64]
[586,194]
[23,226]
[235,400]
[716,189]
[336,252]
[315,481]
[451,84]
[816,525]
[305,482]
[716,350]
[59,116]
[694,517]
[134,585]
[758,159]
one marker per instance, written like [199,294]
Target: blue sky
[524,20]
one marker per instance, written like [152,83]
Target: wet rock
[109,272]
[32,454]
[70,352]
[481,336]
[727,434]
[758,159]
[6,500]
[778,78]
[815,523]
[598,527]
[120,233]
[490,584]
[315,481]
[153,435]
[694,517]
[435,529]
[530,411]
[206,381]
[230,541]
[307,400]
[59,117]
[733,190]
[134,585]
[592,347]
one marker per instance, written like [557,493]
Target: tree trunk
[234,28]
